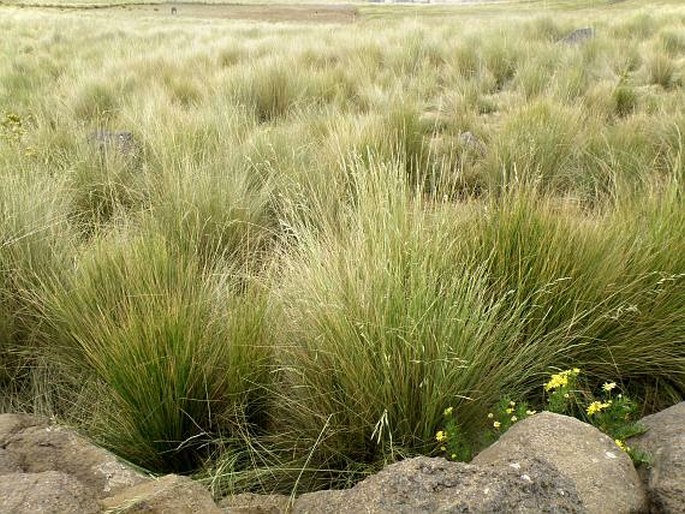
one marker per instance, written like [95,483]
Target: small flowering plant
[12,127]
[610,411]
[13,133]
[505,414]
[453,442]
[562,391]
[614,414]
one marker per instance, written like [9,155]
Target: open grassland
[318,237]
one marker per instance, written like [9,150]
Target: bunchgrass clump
[145,323]
[661,70]
[625,100]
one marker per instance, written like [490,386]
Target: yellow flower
[608,386]
[496,424]
[448,411]
[440,436]
[557,381]
[512,404]
[453,456]
[596,407]
[509,411]
[530,412]
[514,419]
[622,445]
[490,415]
[576,371]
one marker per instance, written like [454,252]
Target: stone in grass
[433,485]
[49,492]
[169,494]
[579,36]
[121,141]
[471,142]
[602,474]
[664,443]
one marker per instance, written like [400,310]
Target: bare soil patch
[309,13]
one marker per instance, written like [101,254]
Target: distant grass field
[272,254]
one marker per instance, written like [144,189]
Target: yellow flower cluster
[622,445]
[12,127]
[561,379]
[441,436]
[596,407]
[448,411]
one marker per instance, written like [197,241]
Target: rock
[579,36]
[50,492]
[169,494]
[470,141]
[431,485]
[8,464]
[664,443]
[122,141]
[10,424]
[50,469]
[599,470]
[248,503]
[32,445]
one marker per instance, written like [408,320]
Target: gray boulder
[590,460]
[664,442]
[46,468]
[50,492]
[33,445]
[423,485]
[169,494]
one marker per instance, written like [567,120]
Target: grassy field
[310,239]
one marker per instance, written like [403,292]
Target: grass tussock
[146,325]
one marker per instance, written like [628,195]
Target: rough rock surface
[599,470]
[545,463]
[664,443]
[169,494]
[32,445]
[248,503]
[425,485]
[49,492]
